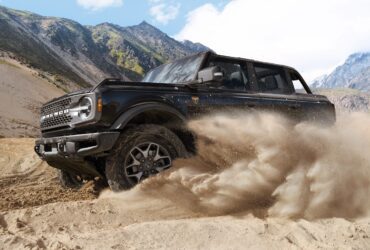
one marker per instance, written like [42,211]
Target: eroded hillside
[22,92]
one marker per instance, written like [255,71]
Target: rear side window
[271,79]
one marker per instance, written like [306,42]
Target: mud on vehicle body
[125,132]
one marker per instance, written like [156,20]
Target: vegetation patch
[4,62]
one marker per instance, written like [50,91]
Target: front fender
[128,115]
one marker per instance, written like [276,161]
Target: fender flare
[129,114]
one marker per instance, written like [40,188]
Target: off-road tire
[115,172]
[69,180]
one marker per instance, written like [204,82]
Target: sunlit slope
[22,92]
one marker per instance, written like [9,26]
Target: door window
[271,79]
[235,75]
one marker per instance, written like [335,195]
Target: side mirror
[211,74]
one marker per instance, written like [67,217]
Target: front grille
[56,121]
[56,106]
[56,114]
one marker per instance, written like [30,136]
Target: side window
[235,75]
[297,83]
[271,79]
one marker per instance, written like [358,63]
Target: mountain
[198,47]
[139,48]
[354,73]
[75,56]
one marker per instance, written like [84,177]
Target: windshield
[183,70]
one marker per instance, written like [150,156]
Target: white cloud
[164,12]
[99,4]
[312,35]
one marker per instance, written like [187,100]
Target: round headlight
[85,108]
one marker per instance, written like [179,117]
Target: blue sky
[170,18]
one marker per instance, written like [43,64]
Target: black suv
[124,132]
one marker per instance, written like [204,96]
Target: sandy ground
[22,92]
[37,214]
[26,181]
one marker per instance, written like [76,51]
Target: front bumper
[69,152]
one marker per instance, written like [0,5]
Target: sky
[167,15]
[313,36]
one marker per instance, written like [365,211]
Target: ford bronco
[125,132]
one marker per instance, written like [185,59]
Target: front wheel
[140,153]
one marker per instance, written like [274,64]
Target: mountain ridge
[76,55]
[353,73]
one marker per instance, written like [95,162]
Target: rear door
[275,90]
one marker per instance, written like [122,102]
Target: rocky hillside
[354,73]
[347,100]
[139,48]
[77,56]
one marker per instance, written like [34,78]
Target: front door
[234,92]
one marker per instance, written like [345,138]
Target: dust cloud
[269,166]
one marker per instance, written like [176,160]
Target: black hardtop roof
[210,53]
[207,54]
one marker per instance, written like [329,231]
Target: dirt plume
[259,163]
[268,165]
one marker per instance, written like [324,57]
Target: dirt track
[26,181]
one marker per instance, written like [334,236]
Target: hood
[78,92]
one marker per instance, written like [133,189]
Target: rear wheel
[69,180]
[140,153]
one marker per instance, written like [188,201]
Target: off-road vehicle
[124,132]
